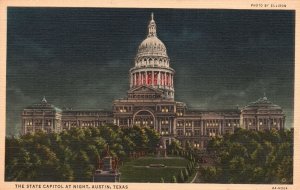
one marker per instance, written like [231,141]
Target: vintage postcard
[131,95]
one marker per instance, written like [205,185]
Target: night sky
[80,57]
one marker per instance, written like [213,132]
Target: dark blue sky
[80,57]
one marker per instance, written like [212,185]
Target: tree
[186,174]
[189,169]
[180,177]
[209,174]
[251,157]
[153,139]
[174,180]
[71,155]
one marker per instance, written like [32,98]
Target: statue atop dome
[152,27]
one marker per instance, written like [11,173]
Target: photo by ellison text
[268,5]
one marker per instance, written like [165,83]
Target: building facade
[41,117]
[150,103]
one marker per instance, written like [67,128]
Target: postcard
[131,95]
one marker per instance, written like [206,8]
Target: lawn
[138,171]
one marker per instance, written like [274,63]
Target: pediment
[145,90]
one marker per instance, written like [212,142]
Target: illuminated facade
[150,103]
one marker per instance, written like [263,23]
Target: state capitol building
[150,103]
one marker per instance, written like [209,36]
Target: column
[152,78]
[183,127]
[201,126]
[146,77]
[170,126]
[193,130]
[24,126]
[266,122]
[135,78]
[140,78]
[53,125]
[43,121]
[174,130]
[220,127]
[205,132]
[33,125]
[223,125]
[159,126]
[166,79]
[158,78]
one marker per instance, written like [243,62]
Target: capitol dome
[152,51]
[152,46]
[152,65]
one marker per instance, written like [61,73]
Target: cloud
[16,101]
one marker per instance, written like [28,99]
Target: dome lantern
[152,27]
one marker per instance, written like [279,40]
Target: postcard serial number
[280,188]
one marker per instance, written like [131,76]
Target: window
[188,133]
[179,132]
[164,130]
[123,121]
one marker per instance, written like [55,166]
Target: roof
[199,110]
[262,103]
[44,105]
